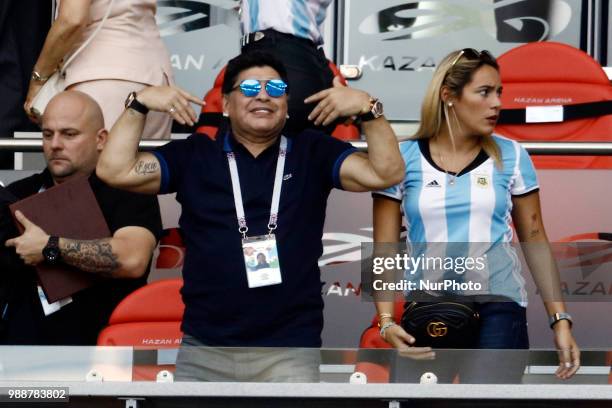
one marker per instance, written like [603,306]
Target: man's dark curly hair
[248,60]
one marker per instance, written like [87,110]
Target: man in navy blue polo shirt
[253,190]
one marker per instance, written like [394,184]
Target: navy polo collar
[229,142]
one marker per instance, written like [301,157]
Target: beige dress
[126,55]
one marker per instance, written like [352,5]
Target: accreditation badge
[261,261]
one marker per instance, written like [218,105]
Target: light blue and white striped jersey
[475,209]
[302,18]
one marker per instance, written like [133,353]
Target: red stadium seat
[594,253]
[214,107]
[609,362]
[370,339]
[171,250]
[588,236]
[343,132]
[148,318]
[548,73]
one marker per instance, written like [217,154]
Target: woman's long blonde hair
[455,71]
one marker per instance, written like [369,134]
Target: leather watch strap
[132,103]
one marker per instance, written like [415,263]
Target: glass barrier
[46,365]
[62,363]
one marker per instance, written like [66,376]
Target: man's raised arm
[383,165]
[120,164]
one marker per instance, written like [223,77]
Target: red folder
[68,210]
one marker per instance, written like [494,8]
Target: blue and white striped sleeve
[395,192]
[525,179]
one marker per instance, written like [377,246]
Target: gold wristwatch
[375,111]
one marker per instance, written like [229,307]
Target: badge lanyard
[278,180]
[260,252]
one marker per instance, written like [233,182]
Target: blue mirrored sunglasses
[251,87]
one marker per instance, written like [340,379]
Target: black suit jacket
[9,261]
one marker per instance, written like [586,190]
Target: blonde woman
[463,184]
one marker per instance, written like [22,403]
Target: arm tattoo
[146,167]
[534,226]
[95,256]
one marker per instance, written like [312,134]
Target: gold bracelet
[384,316]
[36,76]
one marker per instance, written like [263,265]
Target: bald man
[73,137]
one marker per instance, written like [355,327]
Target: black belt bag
[442,324]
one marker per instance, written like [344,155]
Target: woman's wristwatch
[557,317]
[132,103]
